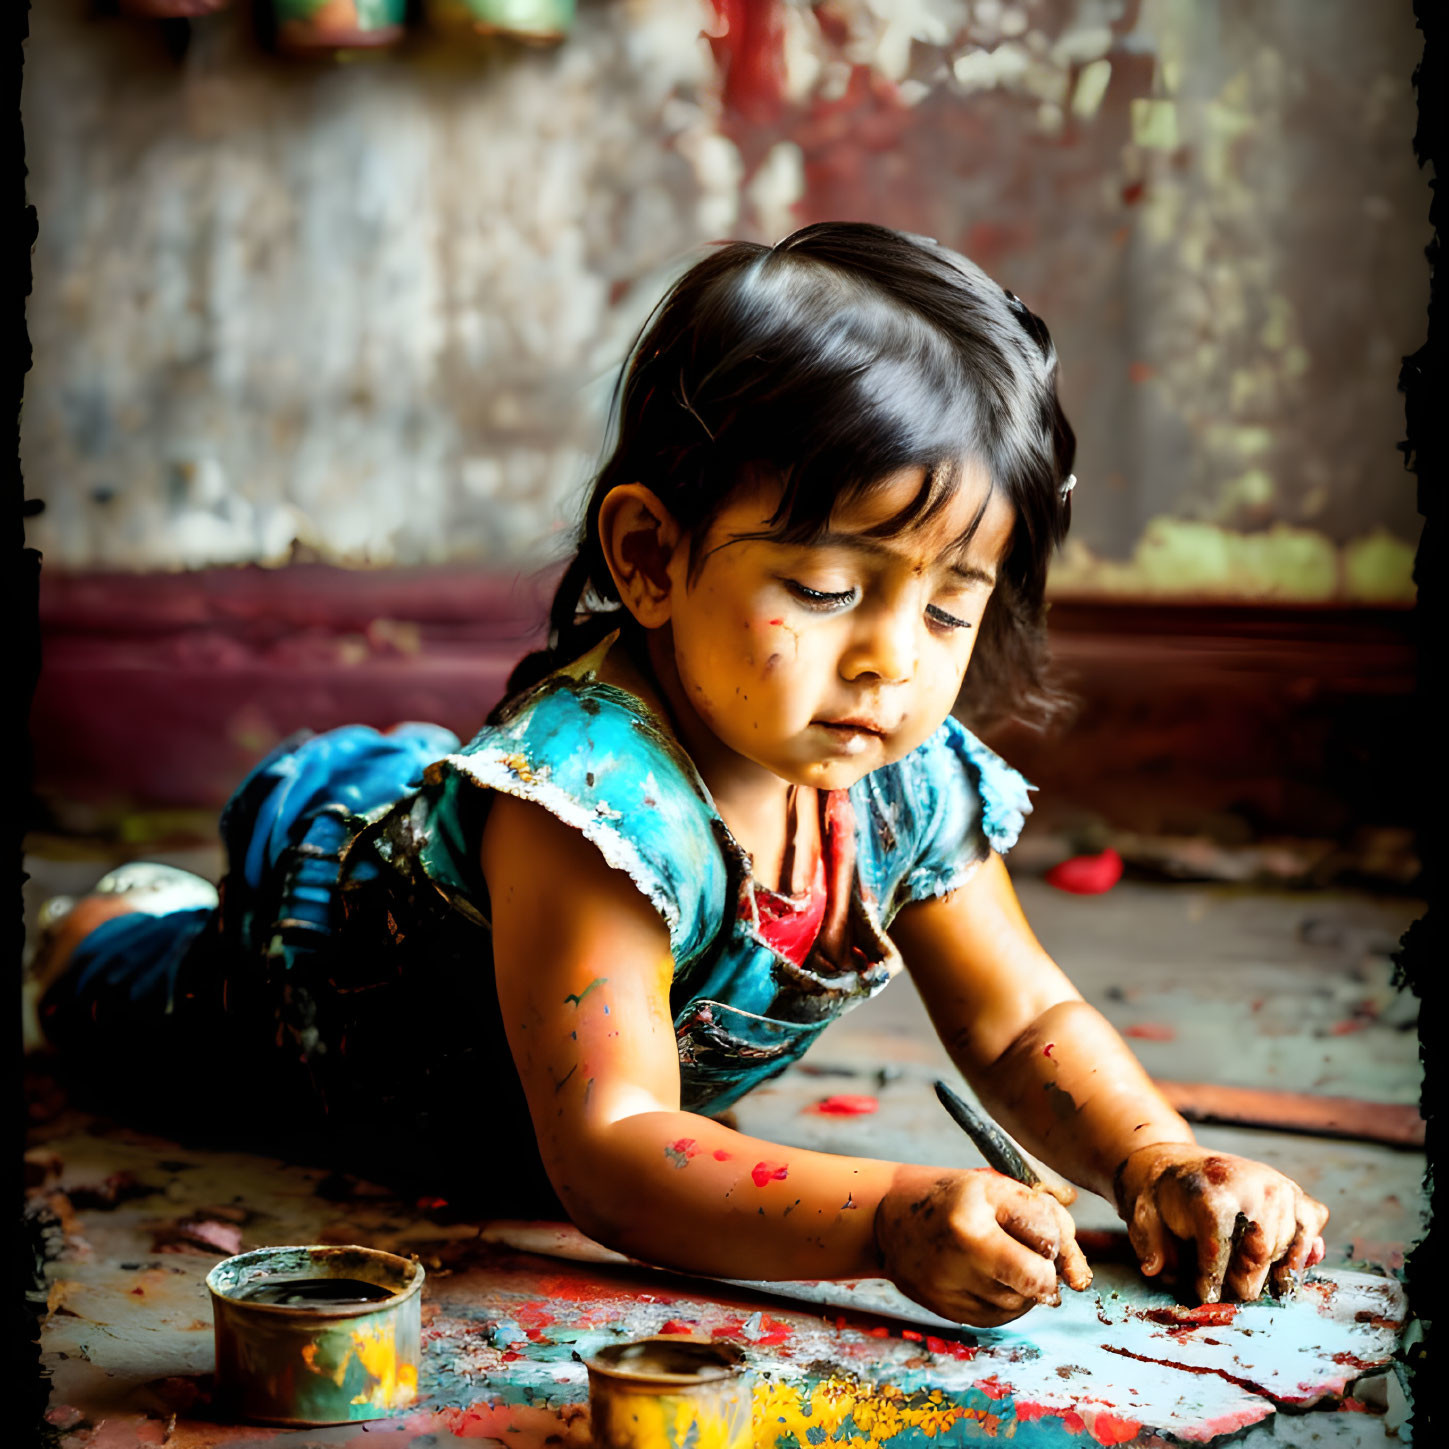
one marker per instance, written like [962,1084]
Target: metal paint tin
[312,1364]
[666,1393]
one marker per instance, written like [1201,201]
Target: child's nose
[883,646]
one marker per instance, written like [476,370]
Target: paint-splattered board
[504,1333]
[1119,1364]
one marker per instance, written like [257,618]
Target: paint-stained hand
[977,1247]
[1248,1225]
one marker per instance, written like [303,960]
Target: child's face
[821,662]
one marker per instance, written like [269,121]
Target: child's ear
[639,538]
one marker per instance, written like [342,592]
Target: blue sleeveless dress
[347,973]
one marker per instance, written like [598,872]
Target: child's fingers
[1148,1236]
[1293,1262]
[1023,1253]
[1250,1262]
[1304,1249]
[1213,1232]
[1263,1241]
[1071,1262]
[981,1312]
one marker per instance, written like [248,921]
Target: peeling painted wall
[370,311]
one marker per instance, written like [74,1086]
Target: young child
[725,805]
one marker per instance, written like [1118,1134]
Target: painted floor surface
[1297,985]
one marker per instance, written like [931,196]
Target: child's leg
[104,978]
[140,886]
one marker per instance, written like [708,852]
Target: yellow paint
[880,1412]
[1154,124]
[1188,559]
[395,1385]
[714,1415]
[1379,569]
[1091,87]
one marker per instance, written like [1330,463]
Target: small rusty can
[665,1393]
[317,1335]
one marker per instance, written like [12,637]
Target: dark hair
[834,359]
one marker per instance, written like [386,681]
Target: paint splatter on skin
[579,999]
[1063,1104]
[681,1151]
[764,1172]
[1046,1051]
[720,1155]
[559,1085]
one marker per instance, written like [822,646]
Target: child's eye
[947,621]
[816,599]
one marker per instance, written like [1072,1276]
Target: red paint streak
[1150,1031]
[720,1155]
[962,1351]
[1353,1406]
[1215,1315]
[1046,1051]
[751,53]
[532,1316]
[777,621]
[879,1331]
[431,1204]
[1141,372]
[680,1325]
[1133,193]
[993,1388]
[575,1289]
[764,1172]
[1087,875]
[1352,1024]
[686,1147]
[846,1105]
[771,1331]
[911,1334]
[1028,1412]
[1109,1429]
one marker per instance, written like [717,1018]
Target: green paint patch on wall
[1183,558]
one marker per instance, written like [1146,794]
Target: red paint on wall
[764,1172]
[750,51]
[993,1388]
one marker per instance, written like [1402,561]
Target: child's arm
[1063,1081]
[584,970]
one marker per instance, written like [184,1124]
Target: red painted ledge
[162,689]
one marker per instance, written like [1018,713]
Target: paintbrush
[991,1142]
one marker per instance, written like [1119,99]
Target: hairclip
[1067,487]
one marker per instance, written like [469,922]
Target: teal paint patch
[579,999]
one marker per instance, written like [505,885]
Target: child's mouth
[851,736]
